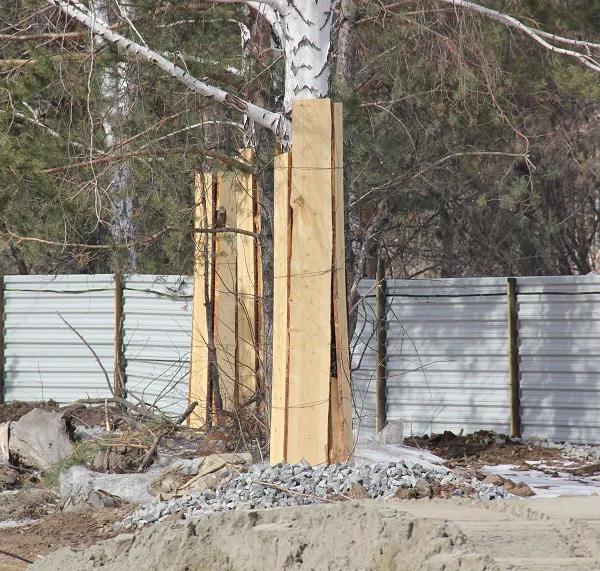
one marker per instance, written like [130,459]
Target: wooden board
[199,368]
[225,293]
[247,286]
[310,283]
[279,388]
[343,394]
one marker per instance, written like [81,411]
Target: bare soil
[76,529]
[484,448]
[78,413]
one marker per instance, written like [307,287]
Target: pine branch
[263,117]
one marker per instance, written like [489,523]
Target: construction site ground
[529,534]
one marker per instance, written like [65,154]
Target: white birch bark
[263,117]
[117,104]
[304,31]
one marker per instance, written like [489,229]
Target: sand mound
[343,536]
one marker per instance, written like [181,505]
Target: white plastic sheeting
[43,358]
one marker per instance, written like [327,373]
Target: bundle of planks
[311,395]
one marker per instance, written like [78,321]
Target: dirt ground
[75,529]
[81,414]
[485,448]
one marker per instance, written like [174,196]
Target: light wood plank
[225,293]
[344,391]
[310,283]
[247,288]
[199,360]
[279,388]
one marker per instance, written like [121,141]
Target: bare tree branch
[18,239]
[226,230]
[534,34]
[268,119]
[278,5]
[112,158]
[107,378]
[272,17]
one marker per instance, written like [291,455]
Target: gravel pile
[582,452]
[286,485]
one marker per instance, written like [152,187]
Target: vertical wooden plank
[2,379]
[381,351]
[247,286]
[343,391]
[258,306]
[203,246]
[119,369]
[282,235]
[513,358]
[225,290]
[310,283]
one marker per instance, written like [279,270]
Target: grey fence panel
[157,339]
[447,355]
[364,363]
[559,348]
[44,359]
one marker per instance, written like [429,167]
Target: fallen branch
[151,452]
[186,412]
[15,556]
[293,492]
[125,403]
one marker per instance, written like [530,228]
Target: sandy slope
[544,535]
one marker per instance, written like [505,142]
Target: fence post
[311,413]
[381,341]
[513,358]
[119,370]
[2,340]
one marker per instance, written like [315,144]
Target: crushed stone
[289,485]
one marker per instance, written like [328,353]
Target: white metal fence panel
[447,355]
[44,359]
[559,349]
[364,363]
[157,331]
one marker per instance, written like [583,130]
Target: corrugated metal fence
[45,359]
[447,349]
[448,365]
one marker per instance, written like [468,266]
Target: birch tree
[116,96]
[303,30]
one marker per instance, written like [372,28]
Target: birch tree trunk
[117,101]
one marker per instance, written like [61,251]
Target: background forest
[470,150]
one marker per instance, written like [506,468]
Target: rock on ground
[346,536]
[40,439]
